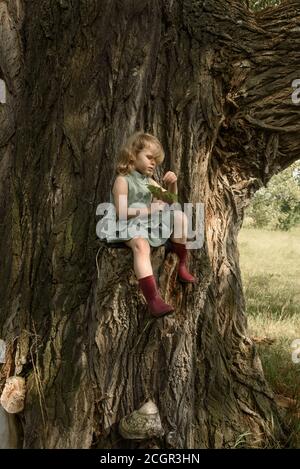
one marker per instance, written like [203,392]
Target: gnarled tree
[213,81]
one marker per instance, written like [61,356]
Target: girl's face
[145,161]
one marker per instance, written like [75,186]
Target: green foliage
[277,206]
[165,196]
[256,5]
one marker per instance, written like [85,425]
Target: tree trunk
[213,82]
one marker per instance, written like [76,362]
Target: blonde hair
[133,145]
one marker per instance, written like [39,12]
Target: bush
[277,206]
[256,5]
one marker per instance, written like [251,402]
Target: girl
[136,164]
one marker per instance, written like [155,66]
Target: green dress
[157,227]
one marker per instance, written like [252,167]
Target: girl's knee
[140,245]
[179,215]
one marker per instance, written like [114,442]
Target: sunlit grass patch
[271,276]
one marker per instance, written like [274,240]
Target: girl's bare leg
[180,225]
[141,255]
[147,282]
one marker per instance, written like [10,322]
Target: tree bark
[213,82]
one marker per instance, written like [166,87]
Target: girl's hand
[169,178]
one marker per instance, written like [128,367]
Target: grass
[271,276]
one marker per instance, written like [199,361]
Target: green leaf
[165,196]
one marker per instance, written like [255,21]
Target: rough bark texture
[213,82]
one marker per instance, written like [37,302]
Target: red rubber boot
[150,291]
[183,273]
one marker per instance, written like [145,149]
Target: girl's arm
[170,179]
[120,194]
